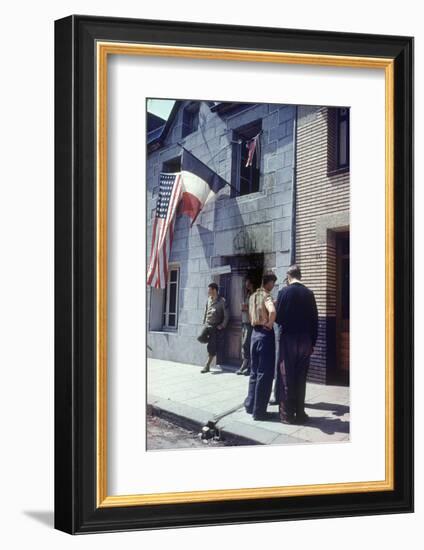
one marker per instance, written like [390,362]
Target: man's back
[297,311]
[260,306]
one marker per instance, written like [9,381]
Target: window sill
[338,171]
[250,196]
[222,202]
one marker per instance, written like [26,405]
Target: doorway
[342,306]
[232,287]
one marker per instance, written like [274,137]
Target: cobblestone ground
[162,434]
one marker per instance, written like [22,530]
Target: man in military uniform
[262,351]
[215,320]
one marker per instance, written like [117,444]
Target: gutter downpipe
[294,189]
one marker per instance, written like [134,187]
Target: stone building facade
[257,222]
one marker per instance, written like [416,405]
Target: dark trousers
[246,336]
[277,376]
[262,362]
[215,344]
[294,357]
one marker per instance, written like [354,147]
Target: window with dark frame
[245,179]
[342,138]
[172,166]
[190,118]
[338,144]
[170,301]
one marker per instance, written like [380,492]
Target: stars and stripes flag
[170,192]
[190,189]
[252,145]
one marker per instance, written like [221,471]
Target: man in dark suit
[297,317]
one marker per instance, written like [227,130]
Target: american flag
[170,192]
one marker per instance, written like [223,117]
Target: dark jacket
[297,311]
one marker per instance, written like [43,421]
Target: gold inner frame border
[103,50]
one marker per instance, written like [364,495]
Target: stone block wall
[257,223]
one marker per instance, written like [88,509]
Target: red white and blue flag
[191,189]
[200,185]
[252,147]
[170,192]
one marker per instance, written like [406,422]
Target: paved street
[181,392]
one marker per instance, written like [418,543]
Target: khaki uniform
[216,314]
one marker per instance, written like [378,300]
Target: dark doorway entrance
[342,306]
[232,287]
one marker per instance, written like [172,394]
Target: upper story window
[191,118]
[338,139]
[172,166]
[246,158]
[342,138]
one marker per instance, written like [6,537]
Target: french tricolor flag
[200,185]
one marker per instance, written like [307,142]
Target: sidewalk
[179,391]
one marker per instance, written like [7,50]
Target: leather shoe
[302,418]
[263,416]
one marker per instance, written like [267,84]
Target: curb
[230,430]
[193,419]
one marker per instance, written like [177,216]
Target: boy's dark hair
[294,272]
[268,277]
[252,278]
[213,285]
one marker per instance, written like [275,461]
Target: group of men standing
[296,316]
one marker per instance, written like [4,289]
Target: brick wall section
[321,196]
[197,250]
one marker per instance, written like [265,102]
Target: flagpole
[204,164]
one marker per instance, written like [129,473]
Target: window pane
[165,292]
[343,143]
[190,119]
[170,316]
[172,298]
[195,121]
[247,177]
[172,165]
[172,320]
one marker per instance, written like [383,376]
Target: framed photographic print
[233,228]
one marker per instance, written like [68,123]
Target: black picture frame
[76,510]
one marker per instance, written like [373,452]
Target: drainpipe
[294,182]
